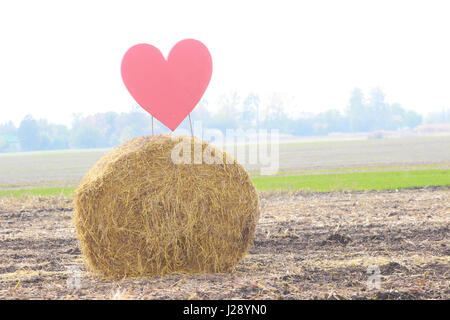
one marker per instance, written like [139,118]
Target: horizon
[262,115]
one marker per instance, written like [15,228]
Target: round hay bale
[137,213]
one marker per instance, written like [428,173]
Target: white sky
[61,57]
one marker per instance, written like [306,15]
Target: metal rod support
[190,122]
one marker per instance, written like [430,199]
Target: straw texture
[139,214]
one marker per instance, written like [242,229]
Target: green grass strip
[380,180]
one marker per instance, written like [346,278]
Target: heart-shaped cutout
[167,89]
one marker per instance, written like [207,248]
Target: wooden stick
[190,122]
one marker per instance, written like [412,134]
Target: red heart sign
[167,89]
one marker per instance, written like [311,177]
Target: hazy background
[60,61]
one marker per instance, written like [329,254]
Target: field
[60,169]
[308,245]
[334,210]
[355,180]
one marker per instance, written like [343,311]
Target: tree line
[362,114]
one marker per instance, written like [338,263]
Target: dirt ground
[342,245]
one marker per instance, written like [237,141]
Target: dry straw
[137,213]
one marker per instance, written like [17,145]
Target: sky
[58,58]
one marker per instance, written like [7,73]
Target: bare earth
[307,246]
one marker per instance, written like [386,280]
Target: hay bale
[139,214]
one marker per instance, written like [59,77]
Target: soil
[340,245]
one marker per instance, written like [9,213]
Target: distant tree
[378,110]
[28,134]
[412,119]
[126,134]
[377,114]
[87,136]
[276,117]
[105,122]
[302,127]
[201,113]
[140,122]
[249,116]
[397,117]
[8,128]
[3,144]
[60,137]
[44,135]
[357,112]
[442,116]
[231,112]
[331,121]
[8,137]
[227,114]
